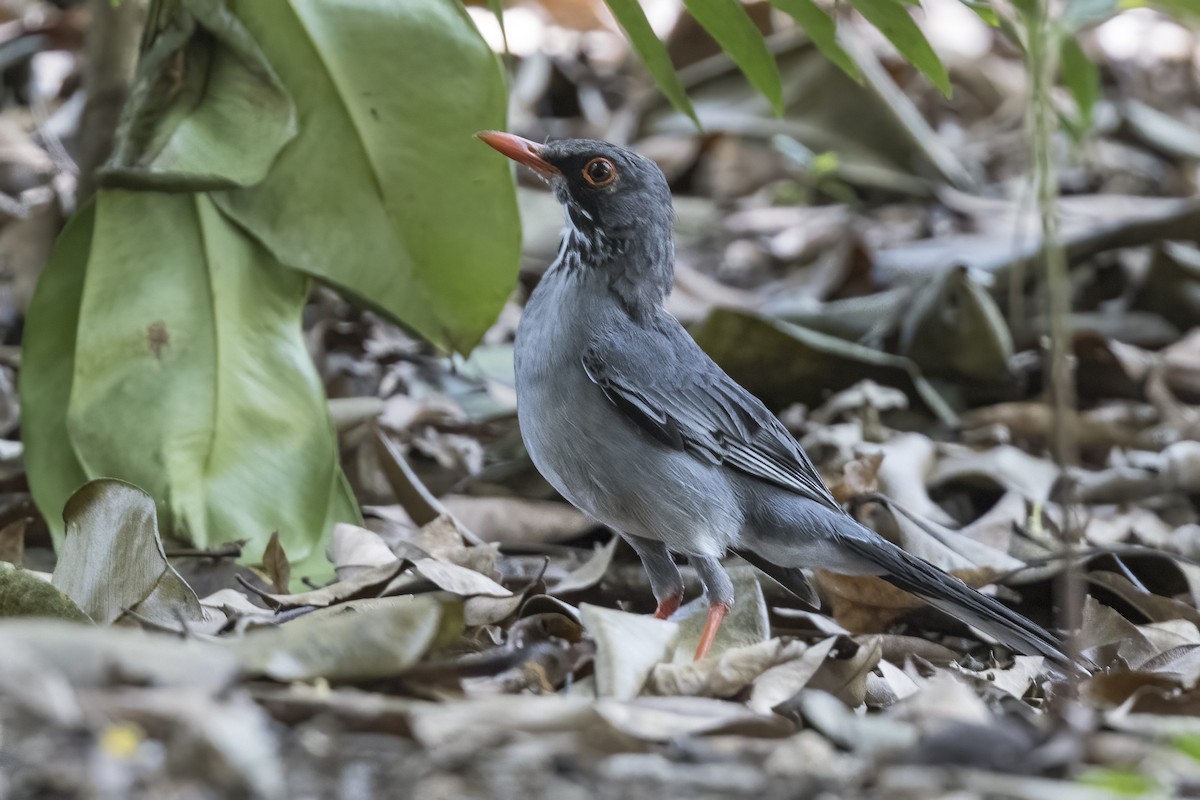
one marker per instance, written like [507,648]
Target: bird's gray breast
[595,457]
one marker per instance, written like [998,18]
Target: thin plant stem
[1043,48]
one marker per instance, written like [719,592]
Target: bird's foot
[716,613]
[668,605]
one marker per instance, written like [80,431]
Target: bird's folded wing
[713,418]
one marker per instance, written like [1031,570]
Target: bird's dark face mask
[604,188]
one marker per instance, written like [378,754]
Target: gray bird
[634,424]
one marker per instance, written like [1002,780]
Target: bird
[632,422]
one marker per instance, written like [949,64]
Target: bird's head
[603,187]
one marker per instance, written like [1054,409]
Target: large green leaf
[385,193]
[893,21]
[821,28]
[47,367]
[193,381]
[206,110]
[728,23]
[652,52]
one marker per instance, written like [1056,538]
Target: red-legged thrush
[634,424]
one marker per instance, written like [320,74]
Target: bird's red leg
[716,613]
[668,605]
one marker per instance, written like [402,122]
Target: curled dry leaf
[459,580]
[356,549]
[112,560]
[590,572]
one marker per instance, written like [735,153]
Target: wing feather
[715,419]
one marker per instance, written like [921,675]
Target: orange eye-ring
[600,171]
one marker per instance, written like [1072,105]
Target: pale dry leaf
[356,549]
[661,719]
[516,519]
[785,679]
[943,698]
[1005,466]
[627,648]
[459,580]
[908,460]
[863,734]
[478,724]
[590,572]
[746,623]
[889,685]
[724,676]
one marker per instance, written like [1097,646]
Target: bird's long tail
[949,594]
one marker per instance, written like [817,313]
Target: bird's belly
[610,470]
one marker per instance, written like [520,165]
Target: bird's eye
[600,172]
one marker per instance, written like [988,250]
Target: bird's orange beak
[522,151]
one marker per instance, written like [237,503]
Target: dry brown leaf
[866,604]
[516,519]
[367,583]
[859,478]
[12,541]
[275,563]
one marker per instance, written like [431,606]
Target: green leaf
[652,52]
[729,24]
[206,110]
[894,22]
[821,28]
[1118,781]
[984,11]
[1082,80]
[1185,11]
[24,594]
[112,561]
[385,193]
[193,380]
[47,367]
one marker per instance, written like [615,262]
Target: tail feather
[949,594]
